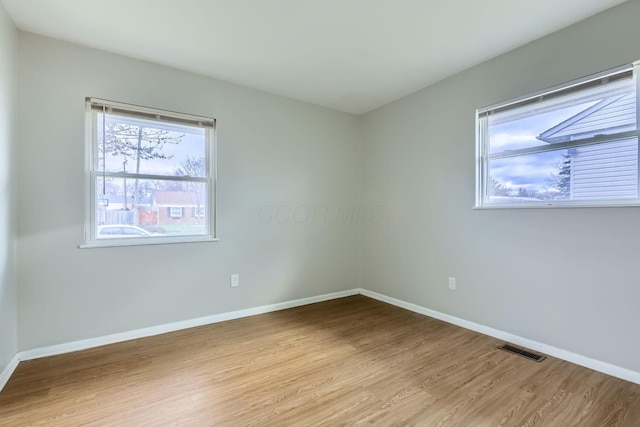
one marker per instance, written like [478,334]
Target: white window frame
[482,143]
[95,106]
[173,215]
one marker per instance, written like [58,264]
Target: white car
[120,230]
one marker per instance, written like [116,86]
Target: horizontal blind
[111,107]
[619,75]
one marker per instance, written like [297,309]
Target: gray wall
[272,152]
[565,277]
[8,283]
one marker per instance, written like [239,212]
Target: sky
[531,171]
[517,128]
[192,142]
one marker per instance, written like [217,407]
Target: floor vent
[524,353]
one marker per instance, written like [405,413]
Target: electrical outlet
[452,283]
[235,280]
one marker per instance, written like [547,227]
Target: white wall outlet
[235,280]
[452,283]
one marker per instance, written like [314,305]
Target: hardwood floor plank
[347,362]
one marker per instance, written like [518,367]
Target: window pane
[604,110]
[146,208]
[142,146]
[574,143]
[529,178]
[607,171]
[525,132]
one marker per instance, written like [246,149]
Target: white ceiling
[351,55]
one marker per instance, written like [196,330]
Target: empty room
[319,213]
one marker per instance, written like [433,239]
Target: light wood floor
[353,361]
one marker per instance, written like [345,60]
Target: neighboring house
[607,169]
[179,207]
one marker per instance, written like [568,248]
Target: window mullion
[129,175]
[563,145]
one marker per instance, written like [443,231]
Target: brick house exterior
[179,207]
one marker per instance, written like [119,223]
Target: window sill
[558,205]
[108,243]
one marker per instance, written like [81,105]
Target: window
[175,212]
[198,212]
[573,145]
[144,168]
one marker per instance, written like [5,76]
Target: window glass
[576,144]
[148,168]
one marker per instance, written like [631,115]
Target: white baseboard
[596,365]
[176,326]
[8,371]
